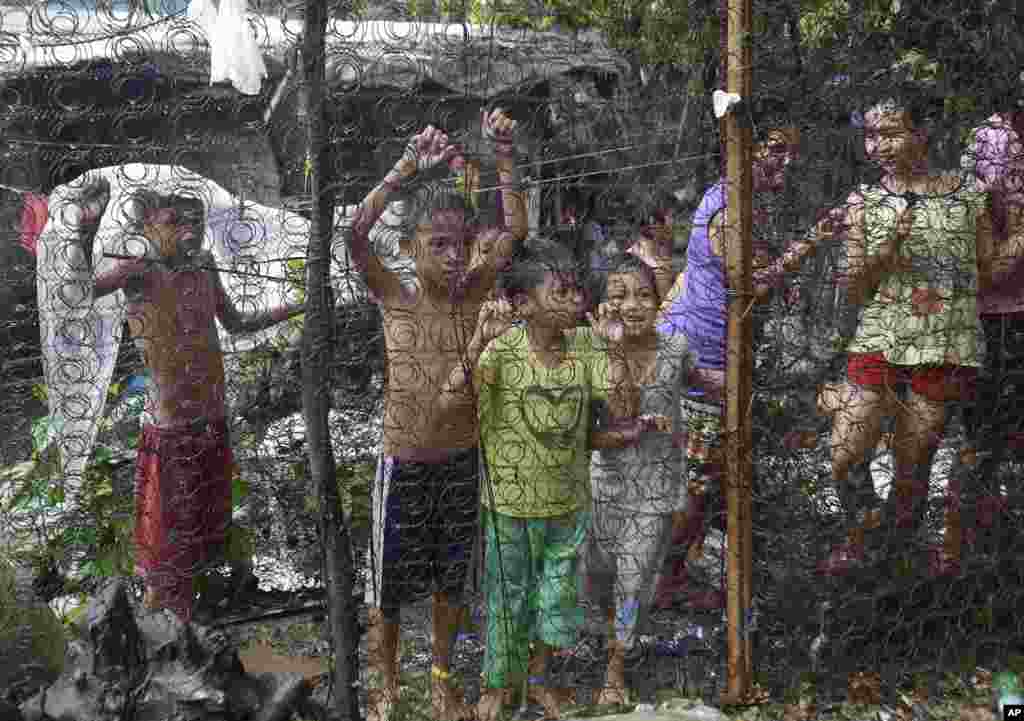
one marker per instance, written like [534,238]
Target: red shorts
[182,508]
[938,383]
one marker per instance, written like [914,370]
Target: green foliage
[74,617]
[659,32]
[39,391]
[1015,663]
[828,23]
[239,545]
[28,633]
[103,530]
[239,490]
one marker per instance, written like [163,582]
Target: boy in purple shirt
[697,307]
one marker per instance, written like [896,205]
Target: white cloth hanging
[235,55]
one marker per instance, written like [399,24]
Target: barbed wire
[884,519]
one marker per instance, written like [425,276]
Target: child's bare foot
[614,692]
[151,600]
[446,704]
[380,703]
[492,702]
[612,695]
[551,699]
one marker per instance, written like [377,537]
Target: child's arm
[126,275]
[867,271]
[466,379]
[624,428]
[999,263]
[621,433]
[424,151]
[496,247]
[770,277]
[656,251]
[235,322]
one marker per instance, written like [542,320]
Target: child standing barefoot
[183,471]
[426,499]
[637,489]
[534,386]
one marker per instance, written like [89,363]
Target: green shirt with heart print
[535,424]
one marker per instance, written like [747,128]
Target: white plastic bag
[235,55]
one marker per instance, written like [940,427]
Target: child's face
[773,156]
[557,303]
[661,227]
[636,300]
[441,251]
[175,230]
[890,139]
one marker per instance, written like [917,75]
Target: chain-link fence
[155,234]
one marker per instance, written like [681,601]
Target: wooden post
[739,366]
[318,344]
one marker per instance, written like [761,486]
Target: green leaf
[104,565]
[32,492]
[238,544]
[75,616]
[79,536]
[239,491]
[55,494]
[103,455]
[40,431]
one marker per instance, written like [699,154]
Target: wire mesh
[152,377]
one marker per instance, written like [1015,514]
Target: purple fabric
[999,166]
[701,312]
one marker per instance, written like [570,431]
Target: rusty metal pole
[739,364]
[318,343]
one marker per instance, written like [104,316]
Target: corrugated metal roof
[473,60]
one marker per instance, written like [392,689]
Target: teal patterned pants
[530,586]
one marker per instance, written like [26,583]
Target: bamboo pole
[739,366]
[318,344]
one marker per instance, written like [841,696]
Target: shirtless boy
[183,472]
[426,499]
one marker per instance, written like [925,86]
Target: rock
[689,710]
[9,712]
[153,667]
[32,642]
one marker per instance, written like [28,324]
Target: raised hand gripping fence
[820,502]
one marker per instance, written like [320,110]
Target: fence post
[739,365]
[318,344]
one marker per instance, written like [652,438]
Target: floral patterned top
[925,313]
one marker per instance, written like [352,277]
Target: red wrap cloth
[34,212]
[182,508]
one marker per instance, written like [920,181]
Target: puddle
[260,657]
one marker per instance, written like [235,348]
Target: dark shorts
[937,383]
[425,519]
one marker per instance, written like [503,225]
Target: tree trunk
[317,349]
